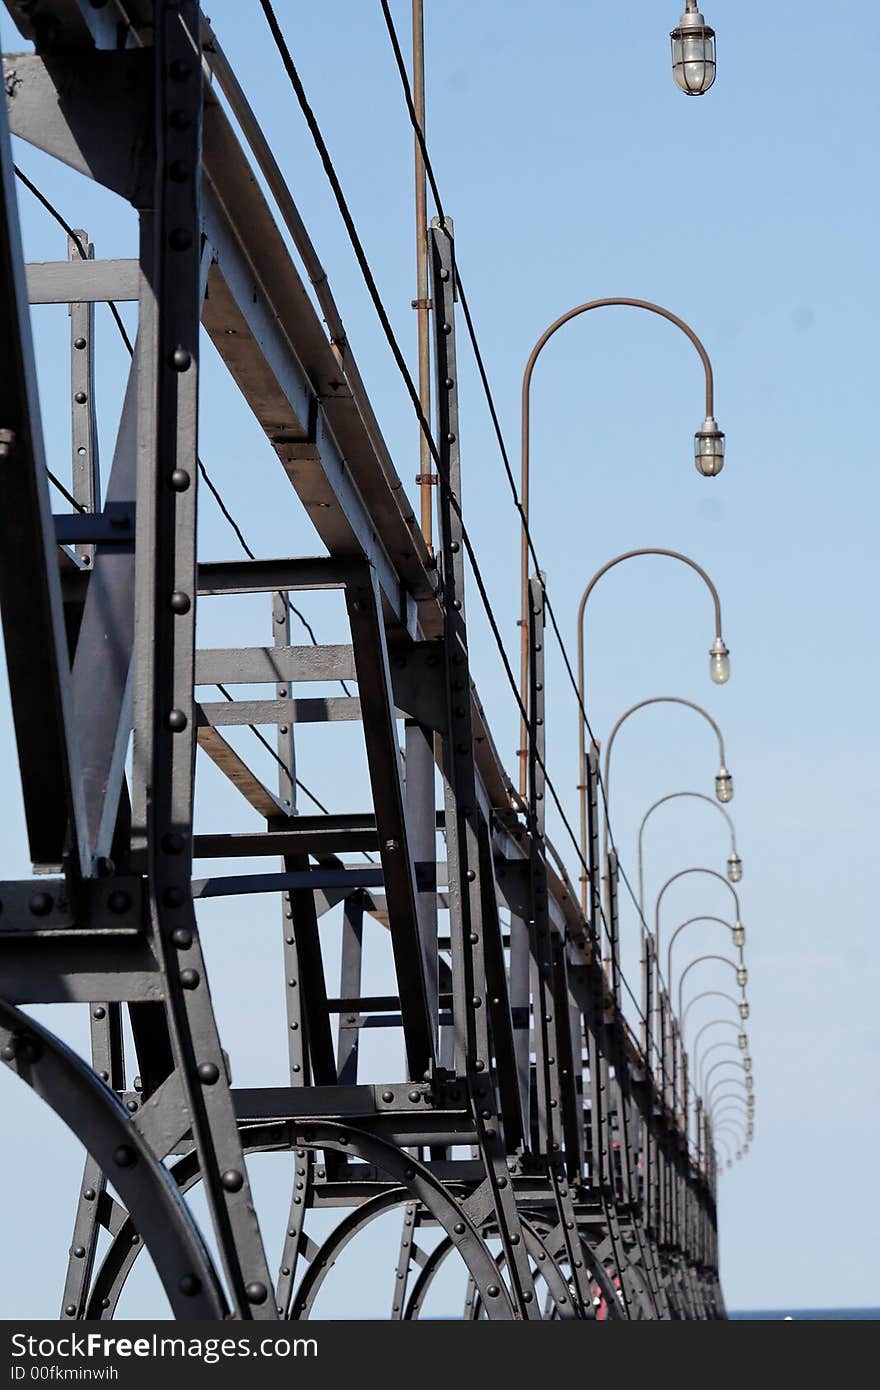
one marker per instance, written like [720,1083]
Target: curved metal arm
[682,873]
[729,1125]
[698,961]
[642,704]
[700,1062]
[713,1023]
[582,752]
[724,1062]
[725,1081]
[730,1097]
[525,474]
[701,796]
[708,994]
[733,1111]
[690,921]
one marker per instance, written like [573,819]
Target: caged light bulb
[693,52]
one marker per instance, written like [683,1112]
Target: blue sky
[574,169]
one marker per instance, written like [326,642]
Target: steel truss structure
[529,1125]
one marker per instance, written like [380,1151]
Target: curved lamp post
[739,970]
[734,863]
[727,1081]
[683,873]
[723,779]
[724,1062]
[700,1062]
[736,929]
[742,1039]
[693,52]
[719,664]
[728,1108]
[739,1004]
[708,455]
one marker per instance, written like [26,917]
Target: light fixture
[693,52]
[742,976]
[743,1008]
[724,785]
[734,867]
[739,937]
[747,1063]
[743,1041]
[709,448]
[719,662]
[750,1100]
[750,1081]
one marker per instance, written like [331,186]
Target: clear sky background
[575,169]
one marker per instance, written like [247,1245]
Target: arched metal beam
[102,1124]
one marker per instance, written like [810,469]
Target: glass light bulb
[709,449]
[739,939]
[743,1041]
[724,785]
[734,868]
[747,1063]
[719,662]
[743,1009]
[750,1081]
[742,976]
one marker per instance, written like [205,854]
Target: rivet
[176,721]
[459,1228]
[189,1285]
[125,1156]
[40,904]
[180,238]
[493,1291]
[189,978]
[180,602]
[179,480]
[256,1292]
[232,1180]
[89,1194]
[80,398]
[119,901]
[208,1073]
[182,938]
[173,842]
[70,1310]
[79,343]
[79,1252]
[99,1011]
[415,1096]
[131,1105]
[180,359]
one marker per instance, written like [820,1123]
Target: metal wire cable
[505,457]
[443,479]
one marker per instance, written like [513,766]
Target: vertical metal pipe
[422,302]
